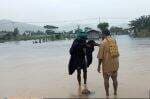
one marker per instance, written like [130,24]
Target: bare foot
[115,93]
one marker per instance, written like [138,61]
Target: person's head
[105,33]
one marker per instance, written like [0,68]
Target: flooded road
[34,71]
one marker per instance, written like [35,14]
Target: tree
[115,29]
[16,32]
[103,26]
[39,32]
[86,29]
[78,30]
[49,32]
[50,27]
[141,24]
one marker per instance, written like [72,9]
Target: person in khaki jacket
[108,55]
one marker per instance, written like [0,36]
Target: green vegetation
[86,29]
[9,37]
[118,31]
[50,29]
[29,35]
[16,32]
[141,26]
[103,26]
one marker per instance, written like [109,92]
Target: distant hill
[8,25]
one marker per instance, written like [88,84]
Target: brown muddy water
[35,71]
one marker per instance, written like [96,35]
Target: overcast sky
[114,11]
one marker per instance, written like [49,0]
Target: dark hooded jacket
[77,59]
[78,51]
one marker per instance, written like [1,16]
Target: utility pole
[99,19]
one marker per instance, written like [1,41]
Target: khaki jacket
[109,64]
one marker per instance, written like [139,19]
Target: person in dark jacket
[77,59]
[81,57]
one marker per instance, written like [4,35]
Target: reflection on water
[40,70]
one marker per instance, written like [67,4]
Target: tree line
[141,26]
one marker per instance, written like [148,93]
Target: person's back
[109,63]
[81,58]
[108,55]
[77,60]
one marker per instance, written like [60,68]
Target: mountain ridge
[9,25]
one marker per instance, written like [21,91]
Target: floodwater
[34,71]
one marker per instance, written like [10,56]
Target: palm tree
[140,24]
